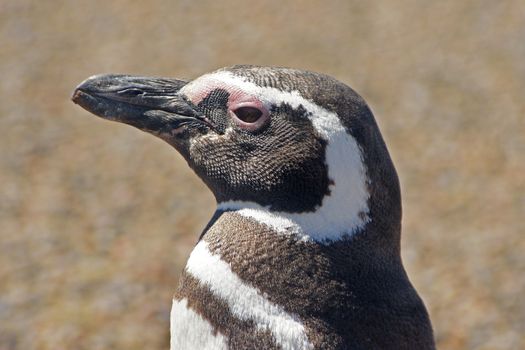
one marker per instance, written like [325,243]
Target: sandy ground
[97,219]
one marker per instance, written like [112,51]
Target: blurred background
[95,225]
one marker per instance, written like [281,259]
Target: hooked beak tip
[90,85]
[76,96]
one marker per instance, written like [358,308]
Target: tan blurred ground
[96,219]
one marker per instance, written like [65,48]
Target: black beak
[150,104]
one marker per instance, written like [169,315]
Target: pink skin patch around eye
[236,100]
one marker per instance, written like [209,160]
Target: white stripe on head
[245,301]
[190,331]
[343,212]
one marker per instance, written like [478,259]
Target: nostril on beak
[131,92]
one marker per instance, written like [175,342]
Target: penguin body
[303,251]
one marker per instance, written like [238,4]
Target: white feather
[190,331]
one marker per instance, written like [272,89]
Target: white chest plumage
[189,330]
[245,302]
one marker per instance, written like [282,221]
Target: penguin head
[286,140]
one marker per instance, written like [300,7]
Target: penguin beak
[150,104]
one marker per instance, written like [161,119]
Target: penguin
[303,251]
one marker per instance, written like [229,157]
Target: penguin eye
[248,114]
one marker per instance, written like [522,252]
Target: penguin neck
[373,211]
[233,230]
